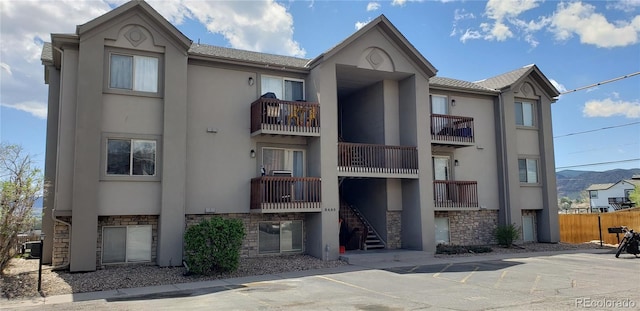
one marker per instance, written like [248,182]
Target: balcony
[279,117]
[276,194]
[452,131]
[367,160]
[620,202]
[455,195]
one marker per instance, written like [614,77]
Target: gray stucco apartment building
[149,133]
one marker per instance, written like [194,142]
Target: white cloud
[559,86]
[6,68]
[470,34]
[25,26]
[623,5]
[499,32]
[38,109]
[359,25]
[592,28]
[403,2]
[373,6]
[459,15]
[263,26]
[499,9]
[503,21]
[532,25]
[609,107]
[529,38]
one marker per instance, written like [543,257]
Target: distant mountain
[37,207]
[571,182]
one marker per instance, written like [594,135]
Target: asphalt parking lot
[593,280]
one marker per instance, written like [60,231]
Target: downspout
[53,210]
[503,152]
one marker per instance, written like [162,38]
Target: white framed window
[443,235]
[279,236]
[593,194]
[282,159]
[133,72]
[284,88]
[524,113]
[528,170]
[131,157]
[439,104]
[123,244]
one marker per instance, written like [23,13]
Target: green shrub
[505,235]
[458,249]
[214,245]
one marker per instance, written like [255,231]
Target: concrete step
[374,246]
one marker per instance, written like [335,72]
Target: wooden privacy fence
[580,228]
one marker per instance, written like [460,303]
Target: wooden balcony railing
[451,194]
[276,194]
[367,158]
[274,116]
[619,200]
[452,128]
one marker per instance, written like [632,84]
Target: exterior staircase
[371,238]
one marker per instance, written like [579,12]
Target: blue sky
[574,43]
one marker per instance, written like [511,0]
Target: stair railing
[367,225]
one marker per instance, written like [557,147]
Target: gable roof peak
[394,35]
[513,77]
[146,8]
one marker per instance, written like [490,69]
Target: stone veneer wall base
[471,227]
[394,229]
[61,241]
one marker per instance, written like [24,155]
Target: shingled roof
[449,83]
[600,186]
[248,56]
[504,80]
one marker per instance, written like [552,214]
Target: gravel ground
[20,278]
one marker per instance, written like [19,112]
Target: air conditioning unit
[282,173]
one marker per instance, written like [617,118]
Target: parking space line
[470,274]
[443,269]
[535,284]
[504,273]
[356,286]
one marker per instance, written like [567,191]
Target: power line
[600,148]
[601,83]
[600,129]
[601,163]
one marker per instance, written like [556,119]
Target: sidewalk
[357,261]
